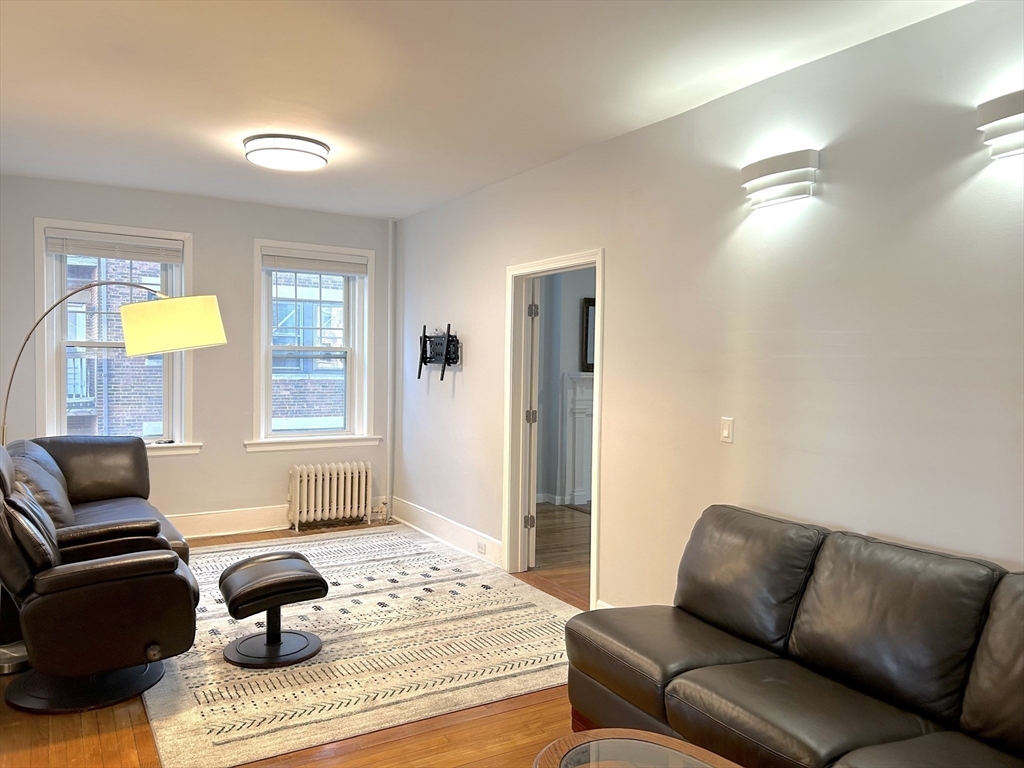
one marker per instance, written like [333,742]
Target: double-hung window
[93,388]
[314,309]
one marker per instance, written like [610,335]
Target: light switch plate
[725,433]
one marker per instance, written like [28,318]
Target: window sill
[310,443]
[173,449]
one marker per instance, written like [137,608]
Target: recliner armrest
[74,575]
[111,547]
[90,533]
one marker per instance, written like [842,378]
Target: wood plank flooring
[563,554]
[504,734]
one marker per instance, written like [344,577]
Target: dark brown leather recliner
[95,627]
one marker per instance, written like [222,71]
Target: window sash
[171,284]
[352,328]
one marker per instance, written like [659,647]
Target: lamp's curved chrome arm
[61,300]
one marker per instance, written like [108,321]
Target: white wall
[869,341]
[223,475]
[560,314]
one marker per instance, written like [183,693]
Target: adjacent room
[464,383]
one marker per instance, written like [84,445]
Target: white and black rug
[411,628]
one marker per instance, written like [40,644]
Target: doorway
[553,367]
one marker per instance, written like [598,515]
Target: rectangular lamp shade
[171,325]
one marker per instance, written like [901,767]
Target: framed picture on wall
[587,336]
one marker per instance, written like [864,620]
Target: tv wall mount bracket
[441,348]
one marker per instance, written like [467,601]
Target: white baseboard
[550,498]
[439,527]
[224,522]
[603,604]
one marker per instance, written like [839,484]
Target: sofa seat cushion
[130,508]
[947,749]
[635,652]
[777,714]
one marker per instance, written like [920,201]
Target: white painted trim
[173,449]
[603,604]
[512,488]
[270,444]
[47,292]
[392,365]
[452,533]
[225,522]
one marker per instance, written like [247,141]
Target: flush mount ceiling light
[1002,120]
[781,178]
[286,153]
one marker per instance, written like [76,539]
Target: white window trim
[49,337]
[362,430]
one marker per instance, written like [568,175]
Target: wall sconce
[1002,120]
[781,178]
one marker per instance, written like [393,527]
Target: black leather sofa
[792,645]
[85,480]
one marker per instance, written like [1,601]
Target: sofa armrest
[90,533]
[75,575]
[100,468]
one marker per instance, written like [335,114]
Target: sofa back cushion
[744,573]
[100,468]
[897,622]
[39,472]
[994,702]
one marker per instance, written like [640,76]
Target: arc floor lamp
[150,328]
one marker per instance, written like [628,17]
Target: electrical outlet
[481,548]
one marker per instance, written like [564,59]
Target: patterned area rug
[411,628]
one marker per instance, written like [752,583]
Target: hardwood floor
[504,734]
[563,554]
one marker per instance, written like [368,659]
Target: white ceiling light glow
[1002,120]
[286,153]
[781,178]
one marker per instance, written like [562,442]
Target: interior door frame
[519,468]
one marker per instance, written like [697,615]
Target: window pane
[100,307]
[111,394]
[308,392]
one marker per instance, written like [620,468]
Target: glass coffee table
[626,748]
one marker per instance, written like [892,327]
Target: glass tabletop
[627,753]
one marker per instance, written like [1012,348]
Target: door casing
[520,466]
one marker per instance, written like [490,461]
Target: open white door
[531,357]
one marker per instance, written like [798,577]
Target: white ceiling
[420,101]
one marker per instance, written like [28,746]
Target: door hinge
[533,310]
[530,521]
[531,417]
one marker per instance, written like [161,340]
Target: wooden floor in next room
[505,734]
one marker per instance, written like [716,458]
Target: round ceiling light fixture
[286,153]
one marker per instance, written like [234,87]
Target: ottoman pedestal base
[273,648]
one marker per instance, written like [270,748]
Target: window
[93,388]
[314,337]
